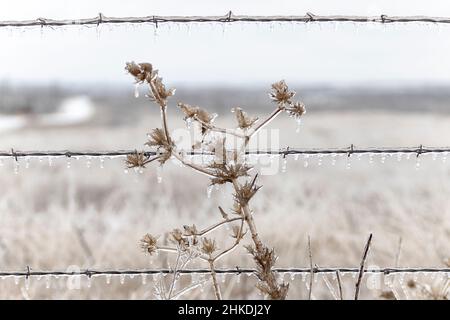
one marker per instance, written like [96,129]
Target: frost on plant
[191,243]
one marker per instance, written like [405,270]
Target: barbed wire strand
[227,18]
[284,152]
[235,271]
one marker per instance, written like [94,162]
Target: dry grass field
[55,217]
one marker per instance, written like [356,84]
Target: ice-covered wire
[283,152]
[235,271]
[229,17]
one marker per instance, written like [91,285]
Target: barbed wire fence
[229,17]
[231,271]
[349,151]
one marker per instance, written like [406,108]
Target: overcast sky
[234,55]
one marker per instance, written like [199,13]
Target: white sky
[207,54]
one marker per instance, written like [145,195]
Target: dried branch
[361,268]
[311,277]
[338,279]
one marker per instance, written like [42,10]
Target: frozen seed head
[141,72]
[246,192]
[136,160]
[224,173]
[157,138]
[244,121]
[237,232]
[281,93]
[296,110]
[161,90]
[197,114]
[148,244]
[208,246]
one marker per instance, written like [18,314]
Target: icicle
[155,277]
[349,163]
[296,156]
[399,157]
[305,160]
[304,274]
[224,278]
[383,159]
[144,278]
[401,278]
[444,157]
[122,278]
[292,276]
[284,164]
[371,158]
[417,163]
[88,162]
[108,279]
[188,123]
[434,156]
[16,280]
[16,167]
[125,170]
[319,159]
[27,163]
[102,162]
[136,90]
[159,174]
[299,122]
[89,281]
[50,161]
[47,282]
[238,278]
[333,159]
[27,283]
[209,191]
[68,163]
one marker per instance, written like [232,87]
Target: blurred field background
[55,217]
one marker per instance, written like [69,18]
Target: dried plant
[227,167]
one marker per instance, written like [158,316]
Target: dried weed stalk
[191,243]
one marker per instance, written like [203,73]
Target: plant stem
[214,279]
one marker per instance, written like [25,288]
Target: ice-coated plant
[227,167]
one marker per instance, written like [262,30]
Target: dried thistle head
[265,259]
[224,173]
[141,72]
[296,110]
[196,113]
[246,192]
[237,208]
[237,233]
[281,93]
[190,230]
[158,139]
[136,160]
[161,90]
[149,244]
[244,121]
[177,237]
[208,246]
